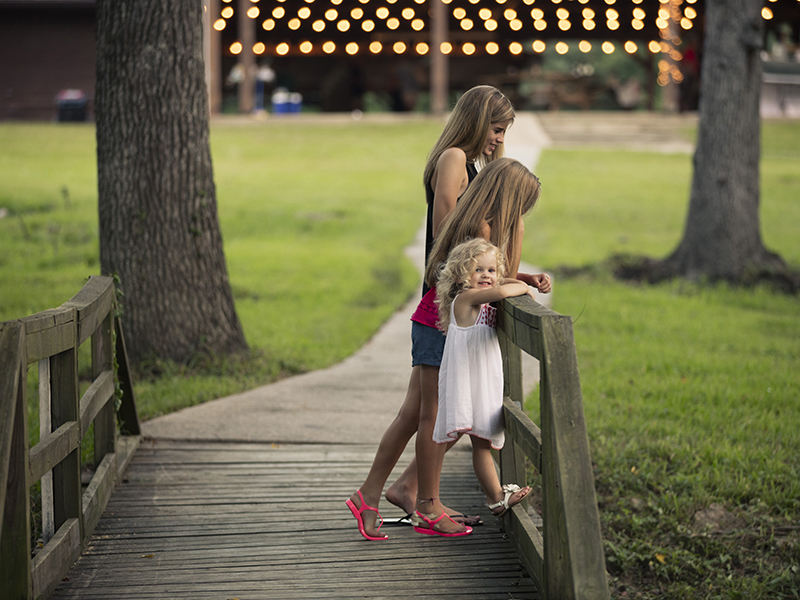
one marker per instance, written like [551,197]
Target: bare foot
[404,498]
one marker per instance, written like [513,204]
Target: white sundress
[471,382]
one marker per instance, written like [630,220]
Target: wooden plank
[105,422]
[530,542]
[574,558]
[47,319]
[512,462]
[572,563]
[15,549]
[96,397]
[127,414]
[54,560]
[11,359]
[49,341]
[124,448]
[281,530]
[524,432]
[97,494]
[45,429]
[53,448]
[92,303]
[67,473]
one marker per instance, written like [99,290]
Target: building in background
[399,55]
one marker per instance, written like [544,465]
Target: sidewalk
[353,401]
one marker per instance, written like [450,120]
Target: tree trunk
[722,238]
[159,229]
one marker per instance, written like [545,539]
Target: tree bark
[159,229]
[722,237]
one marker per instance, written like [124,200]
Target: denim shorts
[427,345]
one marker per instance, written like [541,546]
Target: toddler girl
[471,374]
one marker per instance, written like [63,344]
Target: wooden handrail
[566,560]
[51,338]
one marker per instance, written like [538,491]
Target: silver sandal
[509,490]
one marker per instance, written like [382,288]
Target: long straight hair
[468,124]
[499,196]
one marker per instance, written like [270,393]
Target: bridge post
[15,549]
[574,562]
[102,360]
[65,408]
[512,459]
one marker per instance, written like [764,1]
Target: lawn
[690,392]
[314,220]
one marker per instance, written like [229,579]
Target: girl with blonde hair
[474,134]
[492,209]
[471,373]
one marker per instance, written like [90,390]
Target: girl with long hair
[473,136]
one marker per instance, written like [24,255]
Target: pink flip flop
[429,530]
[357,514]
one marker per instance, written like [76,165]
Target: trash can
[71,105]
[280,101]
[295,102]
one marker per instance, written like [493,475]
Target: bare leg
[403,492]
[430,455]
[483,463]
[394,441]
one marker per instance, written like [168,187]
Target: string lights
[395,27]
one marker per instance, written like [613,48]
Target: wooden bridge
[231,520]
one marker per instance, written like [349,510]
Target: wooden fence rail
[567,560]
[69,513]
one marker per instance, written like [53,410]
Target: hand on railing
[541,281]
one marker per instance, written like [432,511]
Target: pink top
[427,313]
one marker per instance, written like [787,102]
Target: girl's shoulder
[453,155]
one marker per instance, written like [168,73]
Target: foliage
[314,218]
[636,202]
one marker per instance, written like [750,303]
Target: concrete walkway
[353,401]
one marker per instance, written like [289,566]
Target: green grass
[314,220]
[690,392]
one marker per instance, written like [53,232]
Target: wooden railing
[566,560]
[69,512]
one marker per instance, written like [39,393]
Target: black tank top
[472,171]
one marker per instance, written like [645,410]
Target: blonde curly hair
[454,275]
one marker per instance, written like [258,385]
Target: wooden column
[439,65]
[212,56]
[670,101]
[247,36]
[64,408]
[102,360]
[512,459]
[45,428]
[15,531]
